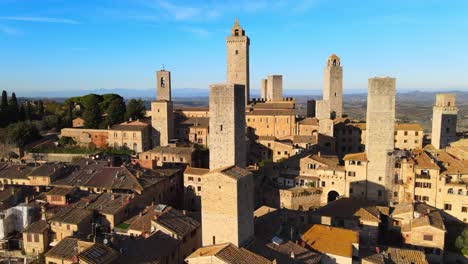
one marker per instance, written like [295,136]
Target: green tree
[66,141]
[13,108]
[22,133]
[40,109]
[461,243]
[116,112]
[92,114]
[135,109]
[28,113]
[22,113]
[4,109]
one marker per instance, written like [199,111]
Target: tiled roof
[196,171]
[333,240]
[98,254]
[171,150]
[406,256]
[176,221]
[37,227]
[403,208]
[196,121]
[108,203]
[234,172]
[130,126]
[14,171]
[331,162]
[62,191]
[47,169]
[361,156]
[423,160]
[350,208]
[301,254]
[66,249]
[309,121]
[230,254]
[71,215]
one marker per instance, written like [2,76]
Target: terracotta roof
[333,240]
[107,203]
[301,254]
[410,127]
[406,256]
[66,249]
[423,160]
[37,227]
[196,171]
[71,215]
[62,191]
[350,208]
[234,172]
[171,150]
[361,156]
[176,221]
[451,164]
[46,169]
[193,109]
[267,138]
[309,121]
[131,126]
[331,162]
[196,121]
[229,254]
[14,171]
[98,254]
[403,208]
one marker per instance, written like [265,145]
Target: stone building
[274,88]
[193,182]
[380,137]
[227,126]
[227,196]
[333,86]
[36,238]
[87,137]
[162,119]
[159,156]
[444,121]
[133,135]
[238,72]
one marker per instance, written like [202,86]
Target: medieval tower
[227,195]
[444,121]
[380,137]
[162,110]
[238,58]
[333,86]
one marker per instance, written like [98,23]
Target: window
[29,238]
[190,178]
[237,52]
[323,184]
[163,82]
[428,237]
[214,240]
[221,128]
[311,166]
[351,173]
[36,237]
[181,159]
[448,207]
[464,209]
[199,188]
[416,133]
[406,133]
[379,193]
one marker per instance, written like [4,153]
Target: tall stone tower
[227,194]
[162,110]
[238,58]
[275,87]
[380,137]
[264,88]
[444,121]
[333,86]
[227,126]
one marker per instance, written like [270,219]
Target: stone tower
[444,121]
[227,194]
[238,58]
[275,87]
[163,79]
[380,137]
[227,126]
[162,110]
[264,88]
[333,86]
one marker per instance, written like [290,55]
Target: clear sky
[48,45]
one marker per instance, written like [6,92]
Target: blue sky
[54,45]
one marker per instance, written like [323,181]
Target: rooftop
[196,171]
[98,254]
[71,215]
[333,240]
[361,156]
[229,254]
[37,227]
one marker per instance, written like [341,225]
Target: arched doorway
[332,195]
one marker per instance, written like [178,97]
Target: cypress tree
[13,109]
[21,113]
[4,120]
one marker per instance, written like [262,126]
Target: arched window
[334,62]
[236,32]
[450,190]
[460,191]
[163,82]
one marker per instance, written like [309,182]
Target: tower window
[236,33]
[221,128]
[163,82]
[237,52]
[214,240]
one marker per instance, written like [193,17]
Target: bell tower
[162,120]
[237,45]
